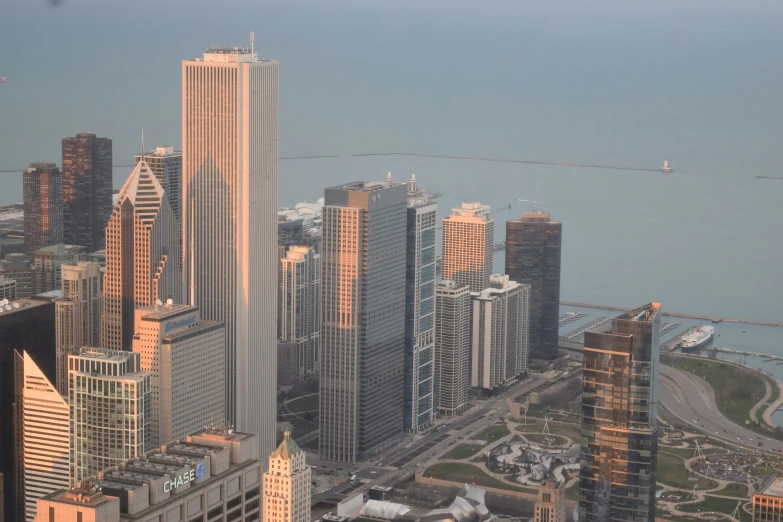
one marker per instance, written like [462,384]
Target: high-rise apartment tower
[467,246]
[298,310]
[43,206]
[452,346]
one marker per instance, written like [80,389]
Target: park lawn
[299,423]
[672,472]
[659,513]
[572,431]
[493,433]
[718,505]
[687,453]
[572,491]
[733,489]
[464,451]
[469,474]
[303,404]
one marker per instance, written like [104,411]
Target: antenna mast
[252,41]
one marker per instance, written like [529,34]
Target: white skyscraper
[229,186]
[287,484]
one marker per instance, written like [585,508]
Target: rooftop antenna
[252,42]
[142,145]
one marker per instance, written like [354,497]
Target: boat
[717,320]
[666,168]
[697,338]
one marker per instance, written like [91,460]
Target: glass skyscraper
[43,206]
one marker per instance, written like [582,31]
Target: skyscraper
[363,318]
[499,333]
[77,315]
[620,418]
[551,503]
[109,399]
[298,310]
[87,189]
[287,487]
[467,246]
[533,258]
[419,399]
[43,206]
[452,346]
[48,263]
[16,266]
[185,356]
[142,256]
[42,448]
[229,152]
[166,164]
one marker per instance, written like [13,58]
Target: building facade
[19,268]
[287,490]
[42,453]
[143,264]
[768,501]
[230,221]
[43,206]
[48,263]
[452,346]
[104,386]
[185,357]
[620,418]
[87,190]
[298,309]
[499,333]
[419,399]
[533,258]
[287,363]
[467,246]
[551,503]
[7,288]
[362,319]
[166,165]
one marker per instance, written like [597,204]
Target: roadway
[692,400]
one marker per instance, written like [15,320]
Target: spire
[413,183]
[142,145]
[388,177]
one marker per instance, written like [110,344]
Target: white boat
[698,337]
[666,168]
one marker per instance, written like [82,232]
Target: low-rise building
[768,501]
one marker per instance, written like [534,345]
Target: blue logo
[179,324]
[199,471]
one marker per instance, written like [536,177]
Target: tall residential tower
[43,206]
[299,316]
[467,246]
[452,346]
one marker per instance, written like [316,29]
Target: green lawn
[572,492]
[718,505]
[687,453]
[493,433]
[303,404]
[537,438]
[469,474]
[672,472]
[572,431]
[733,489]
[463,451]
[659,513]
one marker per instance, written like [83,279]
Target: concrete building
[533,258]
[106,385]
[287,363]
[48,262]
[77,314]
[166,165]
[185,357]
[42,453]
[299,306]
[87,189]
[499,333]
[768,501]
[419,400]
[362,319]
[620,418]
[19,268]
[551,503]
[25,325]
[452,346]
[143,264]
[213,475]
[467,246]
[43,206]
[230,221]
[287,489]
[7,288]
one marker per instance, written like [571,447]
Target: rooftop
[9,307]
[166,311]
[773,487]
[367,186]
[646,313]
[287,449]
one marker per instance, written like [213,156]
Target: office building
[166,164]
[48,263]
[620,418]
[87,189]
[287,363]
[467,246]
[533,258]
[363,319]
[551,503]
[499,333]
[287,490]
[298,309]
[143,263]
[452,346]
[230,221]
[7,288]
[289,229]
[419,399]
[768,501]
[104,386]
[20,269]
[77,314]
[25,325]
[185,357]
[43,206]
[41,418]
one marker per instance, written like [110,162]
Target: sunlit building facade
[298,310]
[287,489]
[467,245]
[43,206]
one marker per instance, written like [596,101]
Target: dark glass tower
[87,189]
[43,206]
[363,319]
[533,258]
[619,419]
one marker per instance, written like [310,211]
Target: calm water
[697,83]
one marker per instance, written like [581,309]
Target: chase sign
[184,478]
[187,321]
